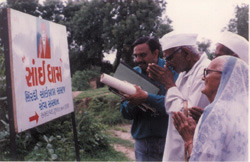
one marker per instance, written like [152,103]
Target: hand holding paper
[138,97]
[135,95]
[122,86]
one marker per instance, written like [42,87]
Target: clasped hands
[162,75]
[186,125]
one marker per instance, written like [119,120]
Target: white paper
[122,86]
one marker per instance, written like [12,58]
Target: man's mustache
[138,63]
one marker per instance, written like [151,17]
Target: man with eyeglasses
[181,55]
[148,128]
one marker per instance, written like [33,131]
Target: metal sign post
[75,136]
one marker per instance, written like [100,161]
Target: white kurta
[188,87]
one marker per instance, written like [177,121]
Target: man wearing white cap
[232,44]
[182,55]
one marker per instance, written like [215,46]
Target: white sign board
[41,81]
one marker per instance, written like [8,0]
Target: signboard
[40,71]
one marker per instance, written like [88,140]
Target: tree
[240,24]
[203,46]
[133,20]
[26,6]
[87,30]
[52,10]
[101,26]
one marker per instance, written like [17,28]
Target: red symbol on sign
[60,59]
[35,117]
[23,58]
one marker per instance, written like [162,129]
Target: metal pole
[5,32]
[75,136]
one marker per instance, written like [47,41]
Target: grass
[106,107]
[94,93]
[119,128]
[122,142]
[107,155]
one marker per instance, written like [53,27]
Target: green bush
[91,134]
[107,108]
[54,140]
[80,79]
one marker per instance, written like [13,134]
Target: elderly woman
[222,131]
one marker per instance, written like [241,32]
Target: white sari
[222,131]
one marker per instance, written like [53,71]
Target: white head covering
[174,39]
[222,131]
[236,43]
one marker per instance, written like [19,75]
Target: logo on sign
[43,40]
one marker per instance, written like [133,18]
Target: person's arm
[174,98]
[157,102]
[128,111]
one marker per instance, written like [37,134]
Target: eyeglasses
[170,57]
[206,71]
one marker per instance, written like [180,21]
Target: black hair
[153,43]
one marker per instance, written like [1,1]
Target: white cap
[174,39]
[236,43]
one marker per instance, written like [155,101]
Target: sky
[205,17]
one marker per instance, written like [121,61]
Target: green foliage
[2,75]
[53,10]
[203,46]
[3,95]
[91,133]
[42,143]
[107,107]
[90,93]
[102,104]
[106,155]
[101,26]
[240,24]
[122,142]
[54,140]
[80,80]
[27,6]
[135,19]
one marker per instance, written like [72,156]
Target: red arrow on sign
[35,117]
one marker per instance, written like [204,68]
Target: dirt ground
[129,152]
[76,93]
